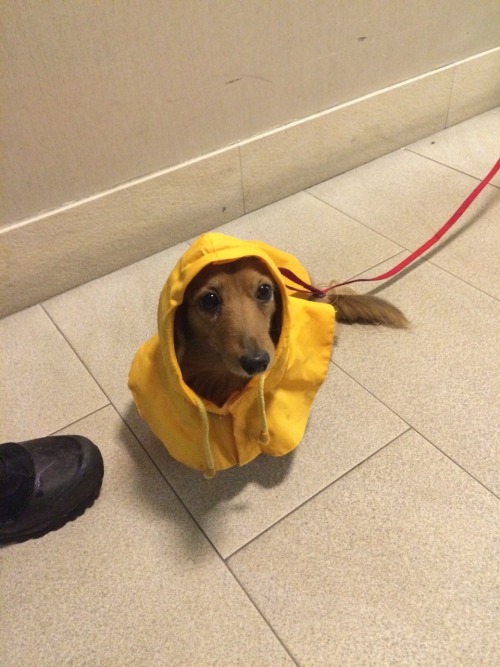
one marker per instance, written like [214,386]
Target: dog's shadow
[200,496]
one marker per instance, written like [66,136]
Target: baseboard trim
[60,249]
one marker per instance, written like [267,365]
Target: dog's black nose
[255,363]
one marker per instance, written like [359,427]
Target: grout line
[115,408]
[190,515]
[172,488]
[73,349]
[378,264]
[317,493]
[450,458]
[368,458]
[217,552]
[411,426]
[427,257]
[388,407]
[450,97]
[242,182]
[402,248]
[90,414]
[262,615]
[444,164]
[377,287]
[462,280]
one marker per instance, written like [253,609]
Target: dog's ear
[180,332]
[275,328]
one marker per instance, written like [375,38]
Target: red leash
[413,256]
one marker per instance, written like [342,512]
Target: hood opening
[181,327]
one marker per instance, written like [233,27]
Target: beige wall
[98,92]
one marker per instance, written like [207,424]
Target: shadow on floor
[199,495]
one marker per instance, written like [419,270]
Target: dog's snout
[255,363]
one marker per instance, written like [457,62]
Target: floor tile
[346,426]
[328,243]
[472,147]
[392,565]
[441,376]
[355,551]
[107,320]
[43,384]
[407,198]
[131,582]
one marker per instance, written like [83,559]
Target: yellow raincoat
[270,414]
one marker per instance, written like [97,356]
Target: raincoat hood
[270,414]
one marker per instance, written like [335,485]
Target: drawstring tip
[209,474]
[264,438]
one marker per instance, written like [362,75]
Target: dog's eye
[209,301]
[264,292]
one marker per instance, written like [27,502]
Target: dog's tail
[365,309]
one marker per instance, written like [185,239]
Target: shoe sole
[58,523]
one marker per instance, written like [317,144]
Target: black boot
[46,482]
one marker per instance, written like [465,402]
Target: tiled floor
[375,543]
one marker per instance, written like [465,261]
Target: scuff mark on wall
[247,76]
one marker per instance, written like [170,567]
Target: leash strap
[412,257]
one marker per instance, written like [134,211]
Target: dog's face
[232,310]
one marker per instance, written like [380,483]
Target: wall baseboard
[63,248]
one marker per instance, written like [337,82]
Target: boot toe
[68,472]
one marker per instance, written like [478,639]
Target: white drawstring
[264,437]
[209,457]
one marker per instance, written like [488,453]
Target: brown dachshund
[229,323]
